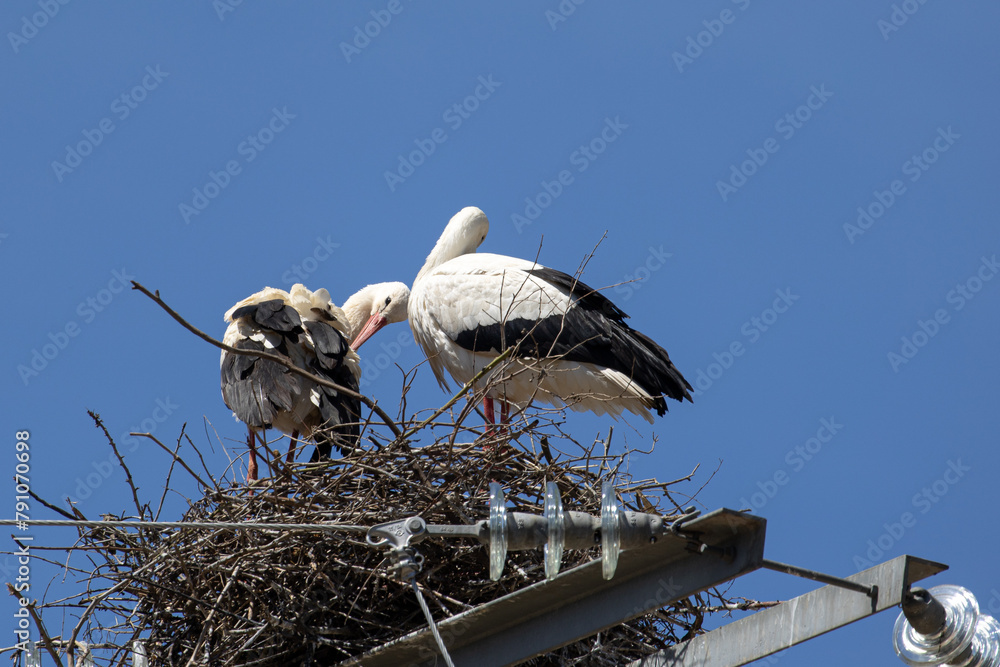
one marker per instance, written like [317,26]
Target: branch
[38,621]
[128,473]
[270,357]
[54,508]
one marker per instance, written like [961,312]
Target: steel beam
[579,602]
[792,622]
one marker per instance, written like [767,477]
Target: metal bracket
[695,544]
[398,536]
[690,514]
[870,591]
[479,531]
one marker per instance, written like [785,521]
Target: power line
[208,525]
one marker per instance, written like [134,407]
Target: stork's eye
[388,300]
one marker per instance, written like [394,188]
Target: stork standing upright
[306,328]
[573,347]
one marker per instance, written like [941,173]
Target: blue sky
[805,196]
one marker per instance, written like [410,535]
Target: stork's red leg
[490,415]
[252,465]
[291,447]
[488,409]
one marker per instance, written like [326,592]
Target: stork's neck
[445,249]
[358,308]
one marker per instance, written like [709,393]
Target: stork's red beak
[374,323]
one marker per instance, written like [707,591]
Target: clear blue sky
[805,194]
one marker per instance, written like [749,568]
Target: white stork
[573,345]
[314,334]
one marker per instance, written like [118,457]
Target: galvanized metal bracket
[405,562]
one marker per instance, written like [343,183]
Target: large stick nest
[261,597]
[302,597]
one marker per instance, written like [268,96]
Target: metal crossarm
[792,622]
[579,602]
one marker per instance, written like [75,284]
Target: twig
[170,473]
[121,462]
[38,622]
[646,485]
[54,508]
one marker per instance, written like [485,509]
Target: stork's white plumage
[573,346]
[306,328]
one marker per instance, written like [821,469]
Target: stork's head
[466,230]
[464,233]
[374,307]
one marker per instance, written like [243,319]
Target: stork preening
[572,345]
[311,332]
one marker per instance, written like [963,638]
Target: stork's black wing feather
[257,389]
[343,413]
[584,295]
[274,315]
[593,331]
